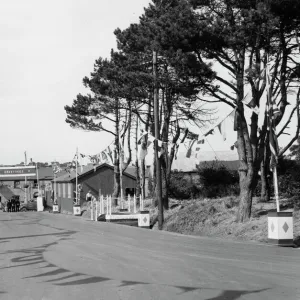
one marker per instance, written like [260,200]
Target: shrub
[218,181]
[182,187]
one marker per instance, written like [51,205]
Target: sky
[46,48]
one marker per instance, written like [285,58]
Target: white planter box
[144,219]
[280,228]
[77,210]
[40,205]
[55,208]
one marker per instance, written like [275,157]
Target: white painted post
[102,203]
[134,204]
[128,203]
[92,210]
[107,205]
[141,202]
[110,205]
[122,203]
[96,211]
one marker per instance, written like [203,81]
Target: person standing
[13,204]
[88,196]
[17,205]
[8,204]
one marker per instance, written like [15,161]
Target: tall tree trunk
[245,148]
[265,187]
[116,160]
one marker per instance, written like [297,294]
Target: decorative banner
[222,129]
[17,171]
[249,101]
[210,132]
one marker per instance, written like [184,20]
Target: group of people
[13,205]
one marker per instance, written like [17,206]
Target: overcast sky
[46,48]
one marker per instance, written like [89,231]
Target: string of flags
[189,139]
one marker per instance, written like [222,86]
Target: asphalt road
[46,256]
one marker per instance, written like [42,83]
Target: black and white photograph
[150,150]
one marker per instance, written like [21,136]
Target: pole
[92,210]
[121,164]
[25,200]
[156,125]
[54,196]
[76,193]
[37,178]
[276,188]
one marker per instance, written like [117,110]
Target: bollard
[134,204]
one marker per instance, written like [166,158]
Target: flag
[222,129]
[271,108]
[192,136]
[209,132]
[189,151]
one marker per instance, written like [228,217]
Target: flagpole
[76,193]
[37,178]
[276,188]
[25,200]
[272,135]
[158,164]
[121,166]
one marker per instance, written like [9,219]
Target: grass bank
[217,218]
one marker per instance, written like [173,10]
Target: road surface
[47,256]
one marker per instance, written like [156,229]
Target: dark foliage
[217,181]
[182,186]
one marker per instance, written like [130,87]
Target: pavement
[53,256]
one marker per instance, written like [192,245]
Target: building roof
[69,177]
[229,165]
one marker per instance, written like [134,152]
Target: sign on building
[17,171]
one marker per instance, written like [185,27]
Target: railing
[104,206]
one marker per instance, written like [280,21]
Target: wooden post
[92,210]
[102,203]
[96,210]
[110,199]
[276,188]
[134,204]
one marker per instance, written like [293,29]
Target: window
[16,184]
[69,190]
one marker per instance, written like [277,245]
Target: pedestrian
[8,204]
[17,205]
[13,204]
[89,196]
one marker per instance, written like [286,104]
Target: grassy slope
[216,217]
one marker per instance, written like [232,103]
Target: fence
[105,206]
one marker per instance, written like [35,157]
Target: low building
[16,185]
[99,179]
